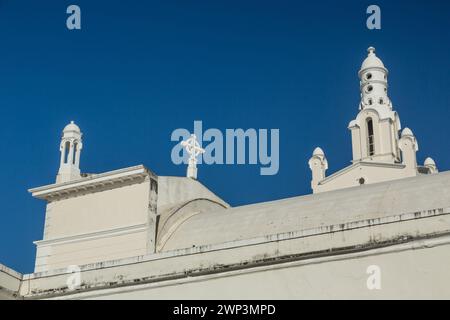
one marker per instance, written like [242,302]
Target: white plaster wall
[96,211]
[91,250]
[111,223]
[9,282]
[385,145]
[94,227]
[356,143]
[411,274]
[371,174]
[365,238]
[418,271]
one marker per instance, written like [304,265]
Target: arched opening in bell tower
[370,137]
[75,150]
[66,151]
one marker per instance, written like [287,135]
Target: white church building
[377,229]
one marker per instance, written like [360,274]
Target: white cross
[194,150]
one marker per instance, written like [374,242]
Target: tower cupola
[373,82]
[70,148]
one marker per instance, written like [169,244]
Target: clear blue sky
[140,69]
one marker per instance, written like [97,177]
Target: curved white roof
[429,162]
[318,152]
[372,61]
[407,132]
[313,211]
[71,127]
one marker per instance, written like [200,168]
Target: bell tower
[380,152]
[373,82]
[70,148]
[375,131]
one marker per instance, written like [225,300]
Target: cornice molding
[93,183]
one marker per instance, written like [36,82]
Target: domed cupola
[373,82]
[72,128]
[372,61]
[70,148]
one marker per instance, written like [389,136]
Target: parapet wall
[10,282]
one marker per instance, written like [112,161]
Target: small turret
[430,165]
[70,148]
[408,146]
[318,164]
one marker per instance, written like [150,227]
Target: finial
[429,162]
[407,132]
[318,152]
[431,165]
[71,122]
[193,149]
[371,50]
